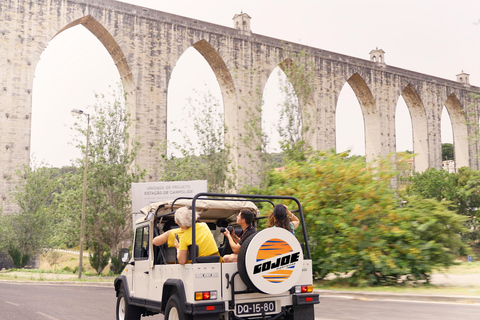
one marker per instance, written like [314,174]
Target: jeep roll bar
[224,196]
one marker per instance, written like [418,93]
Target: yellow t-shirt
[171,236]
[204,240]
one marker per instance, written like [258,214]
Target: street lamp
[82,228]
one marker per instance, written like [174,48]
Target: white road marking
[13,304]
[47,316]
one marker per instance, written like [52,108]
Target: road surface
[22,301]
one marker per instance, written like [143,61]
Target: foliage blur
[358,226]
[206,155]
[49,200]
[25,233]
[460,190]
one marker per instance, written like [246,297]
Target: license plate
[256,307]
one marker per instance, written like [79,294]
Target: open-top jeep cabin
[271,280]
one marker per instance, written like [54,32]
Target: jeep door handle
[146,272]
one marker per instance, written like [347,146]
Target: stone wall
[146,44]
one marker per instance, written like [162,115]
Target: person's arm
[181,254]
[234,245]
[161,239]
[293,218]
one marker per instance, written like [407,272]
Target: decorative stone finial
[463,78]
[241,22]
[377,56]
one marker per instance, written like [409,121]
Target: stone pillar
[22,42]
[433,98]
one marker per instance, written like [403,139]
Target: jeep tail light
[303,289]
[206,295]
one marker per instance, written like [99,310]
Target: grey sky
[438,38]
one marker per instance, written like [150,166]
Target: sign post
[150,192]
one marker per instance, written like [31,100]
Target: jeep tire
[173,311]
[126,311]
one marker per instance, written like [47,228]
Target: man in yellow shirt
[203,237]
[168,236]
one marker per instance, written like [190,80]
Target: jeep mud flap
[206,309]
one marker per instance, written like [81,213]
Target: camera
[229,228]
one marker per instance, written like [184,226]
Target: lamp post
[82,228]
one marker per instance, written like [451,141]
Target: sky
[438,38]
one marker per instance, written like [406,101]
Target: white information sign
[150,192]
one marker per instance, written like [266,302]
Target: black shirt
[247,233]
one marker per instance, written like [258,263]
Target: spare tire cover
[270,261]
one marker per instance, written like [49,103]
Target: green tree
[28,231]
[461,190]
[99,256]
[467,200]
[433,183]
[208,158]
[447,151]
[355,223]
[111,171]
[295,121]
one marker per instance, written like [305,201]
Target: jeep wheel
[270,261]
[173,310]
[126,311]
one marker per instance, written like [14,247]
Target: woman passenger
[282,217]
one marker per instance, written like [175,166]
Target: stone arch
[460,132]
[218,66]
[227,89]
[224,79]
[370,116]
[304,92]
[105,37]
[419,126]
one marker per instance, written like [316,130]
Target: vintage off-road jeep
[271,280]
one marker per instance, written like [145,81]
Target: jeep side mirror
[124,255]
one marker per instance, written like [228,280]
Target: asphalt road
[352,309]
[22,301]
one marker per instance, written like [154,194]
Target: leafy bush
[461,189]
[356,226]
[68,269]
[116,265]
[20,260]
[99,257]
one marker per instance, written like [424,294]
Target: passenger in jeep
[168,236]
[244,220]
[203,236]
[282,217]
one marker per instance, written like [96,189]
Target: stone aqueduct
[145,45]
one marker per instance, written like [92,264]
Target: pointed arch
[370,116]
[227,87]
[218,66]
[104,36]
[460,132]
[272,98]
[419,127]
[298,78]
[72,54]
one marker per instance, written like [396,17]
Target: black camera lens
[230,228]
[222,229]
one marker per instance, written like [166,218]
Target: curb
[399,296]
[60,282]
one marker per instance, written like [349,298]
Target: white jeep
[271,280]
